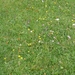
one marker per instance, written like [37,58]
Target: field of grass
[37,37]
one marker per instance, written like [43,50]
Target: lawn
[37,37]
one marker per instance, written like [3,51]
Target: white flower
[57,19]
[61,67]
[42,0]
[69,37]
[20,44]
[58,43]
[73,24]
[51,31]
[39,41]
[31,31]
[54,37]
[52,40]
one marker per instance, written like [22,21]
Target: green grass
[33,41]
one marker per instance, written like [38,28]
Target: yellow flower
[39,37]
[45,5]
[5,58]
[29,44]
[28,29]
[13,50]
[19,56]
[73,20]
[28,51]
[40,18]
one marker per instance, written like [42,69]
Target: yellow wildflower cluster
[29,44]
[19,56]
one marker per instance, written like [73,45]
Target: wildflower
[57,19]
[13,50]
[42,0]
[39,37]
[5,58]
[74,41]
[54,37]
[52,40]
[29,44]
[69,37]
[28,29]
[19,56]
[45,5]
[31,31]
[39,41]
[58,43]
[73,20]
[51,32]
[61,67]
[28,51]
[20,44]
[36,20]
[60,62]
[73,24]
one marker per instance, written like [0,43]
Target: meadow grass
[37,37]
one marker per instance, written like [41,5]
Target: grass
[37,38]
